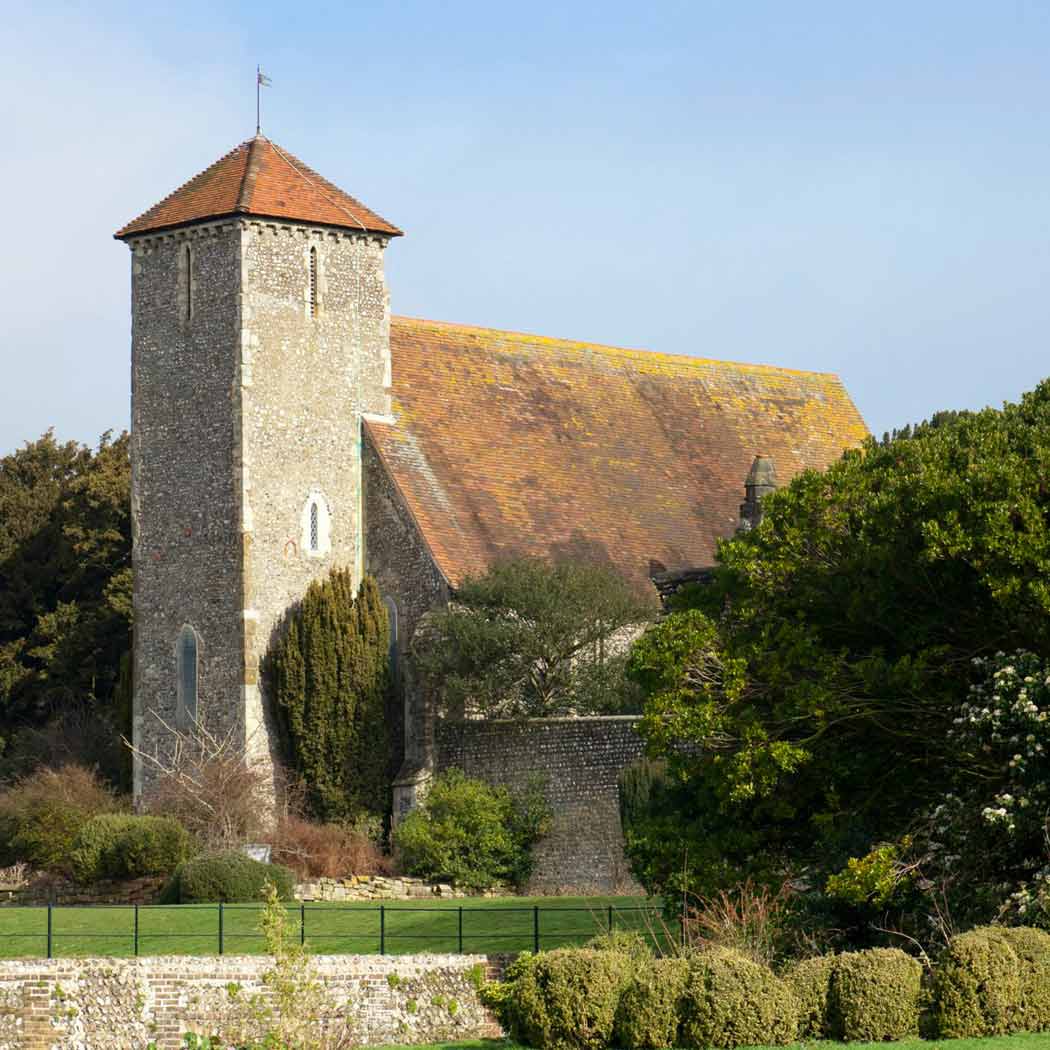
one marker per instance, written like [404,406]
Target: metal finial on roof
[261,81]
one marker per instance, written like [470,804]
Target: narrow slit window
[187,283]
[188,671]
[313,282]
[314,527]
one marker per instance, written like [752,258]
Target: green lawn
[1002,1042]
[506,924]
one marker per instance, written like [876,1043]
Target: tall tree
[815,682]
[531,638]
[65,577]
[330,676]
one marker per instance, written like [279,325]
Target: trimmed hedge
[977,986]
[730,1000]
[647,1017]
[875,995]
[1032,948]
[123,846]
[228,877]
[810,980]
[566,999]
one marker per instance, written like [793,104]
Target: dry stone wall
[579,761]
[125,1004]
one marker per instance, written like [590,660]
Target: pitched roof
[508,444]
[259,178]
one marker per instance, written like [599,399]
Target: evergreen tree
[330,678]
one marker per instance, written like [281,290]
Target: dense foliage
[231,877]
[471,834]
[530,638]
[330,674]
[42,814]
[128,846]
[65,603]
[817,682]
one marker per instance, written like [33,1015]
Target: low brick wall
[580,760]
[124,1004]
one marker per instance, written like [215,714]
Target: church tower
[260,343]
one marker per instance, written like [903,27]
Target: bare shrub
[329,850]
[41,813]
[218,789]
[749,918]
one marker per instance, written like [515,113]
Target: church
[285,422]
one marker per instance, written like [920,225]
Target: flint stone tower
[260,344]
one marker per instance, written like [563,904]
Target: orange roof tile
[509,444]
[259,178]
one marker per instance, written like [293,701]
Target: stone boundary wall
[377,888]
[125,1004]
[46,889]
[580,760]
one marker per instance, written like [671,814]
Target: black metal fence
[208,929]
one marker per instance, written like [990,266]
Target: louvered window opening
[314,531]
[313,283]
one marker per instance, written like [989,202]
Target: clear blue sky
[862,189]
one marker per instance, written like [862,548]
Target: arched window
[187,659]
[312,289]
[316,526]
[394,652]
[186,283]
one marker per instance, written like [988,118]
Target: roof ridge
[247,187]
[288,158]
[607,348]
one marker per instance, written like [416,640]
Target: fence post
[50,928]
[610,919]
[221,931]
[536,928]
[302,922]
[382,929]
[136,929]
[461,929]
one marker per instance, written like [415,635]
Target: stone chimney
[761,480]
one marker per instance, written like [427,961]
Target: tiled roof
[259,178]
[508,444]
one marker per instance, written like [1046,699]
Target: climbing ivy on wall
[329,672]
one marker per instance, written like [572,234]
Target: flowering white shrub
[989,836]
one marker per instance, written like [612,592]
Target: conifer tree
[330,678]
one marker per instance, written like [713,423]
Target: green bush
[469,833]
[123,846]
[567,999]
[977,986]
[810,980]
[227,876]
[875,995]
[636,946]
[647,1017]
[730,1000]
[1032,948]
[41,814]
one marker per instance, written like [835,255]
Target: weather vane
[261,81]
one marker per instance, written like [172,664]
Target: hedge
[566,999]
[875,996]
[977,986]
[123,846]
[810,980]
[229,877]
[730,1000]
[1032,948]
[647,1017]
